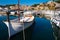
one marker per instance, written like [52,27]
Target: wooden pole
[8,17]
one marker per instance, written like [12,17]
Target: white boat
[56,19]
[14,26]
[12,13]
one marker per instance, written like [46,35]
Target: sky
[22,2]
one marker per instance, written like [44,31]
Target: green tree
[10,5]
[57,1]
[34,5]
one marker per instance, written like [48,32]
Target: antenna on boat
[19,19]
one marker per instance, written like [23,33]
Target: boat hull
[16,27]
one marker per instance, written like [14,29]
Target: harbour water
[40,30]
[4,18]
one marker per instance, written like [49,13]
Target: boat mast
[19,19]
[18,10]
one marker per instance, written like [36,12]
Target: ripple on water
[3,31]
[42,30]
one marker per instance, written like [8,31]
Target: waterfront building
[57,6]
[46,7]
[12,7]
[15,7]
[37,8]
[51,5]
[3,12]
[0,8]
[42,6]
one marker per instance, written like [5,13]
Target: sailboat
[19,24]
